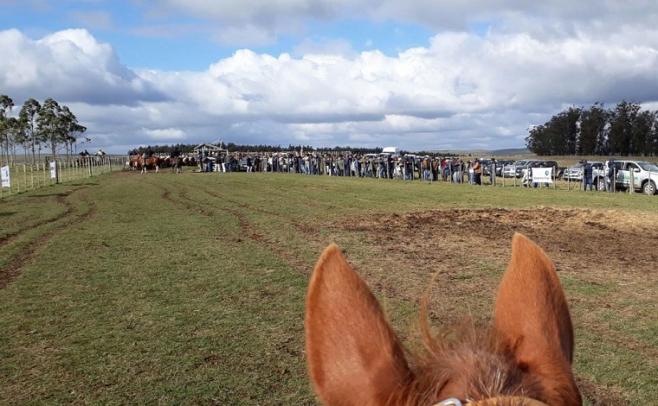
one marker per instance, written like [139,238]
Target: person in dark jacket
[587,175]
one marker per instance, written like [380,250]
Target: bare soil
[460,254]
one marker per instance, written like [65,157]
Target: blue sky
[418,74]
[141,39]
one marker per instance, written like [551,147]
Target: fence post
[614,180]
[631,180]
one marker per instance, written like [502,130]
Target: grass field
[190,289]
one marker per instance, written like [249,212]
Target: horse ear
[533,318]
[354,358]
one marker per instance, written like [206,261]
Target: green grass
[190,288]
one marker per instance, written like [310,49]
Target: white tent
[390,150]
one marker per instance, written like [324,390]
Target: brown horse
[355,358]
[141,163]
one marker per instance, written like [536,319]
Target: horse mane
[467,355]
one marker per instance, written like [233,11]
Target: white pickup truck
[644,174]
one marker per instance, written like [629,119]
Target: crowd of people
[387,166]
[429,168]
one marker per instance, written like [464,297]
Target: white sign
[542,175]
[4,175]
[53,170]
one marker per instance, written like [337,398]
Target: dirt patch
[607,257]
[573,238]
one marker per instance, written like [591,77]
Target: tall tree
[653,143]
[49,124]
[29,115]
[6,104]
[538,140]
[641,134]
[621,127]
[593,126]
[12,136]
[70,128]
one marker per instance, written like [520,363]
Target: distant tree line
[232,147]
[46,125]
[623,130]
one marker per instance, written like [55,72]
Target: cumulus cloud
[68,65]
[558,17]
[165,134]
[462,91]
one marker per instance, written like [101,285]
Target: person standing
[477,172]
[610,175]
[587,175]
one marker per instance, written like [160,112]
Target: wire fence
[24,177]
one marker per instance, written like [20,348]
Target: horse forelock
[468,363]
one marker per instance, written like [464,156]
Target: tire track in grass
[246,227]
[13,269]
[60,199]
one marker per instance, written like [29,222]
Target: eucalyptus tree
[642,132]
[593,130]
[70,128]
[6,104]
[622,119]
[14,136]
[49,124]
[29,115]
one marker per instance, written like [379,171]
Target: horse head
[355,358]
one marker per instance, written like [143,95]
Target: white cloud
[462,91]
[557,17]
[69,65]
[165,134]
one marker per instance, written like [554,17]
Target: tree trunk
[53,148]
[33,150]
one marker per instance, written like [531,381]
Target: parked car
[575,173]
[500,165]
[645,176]
[520,169]
[510,170]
